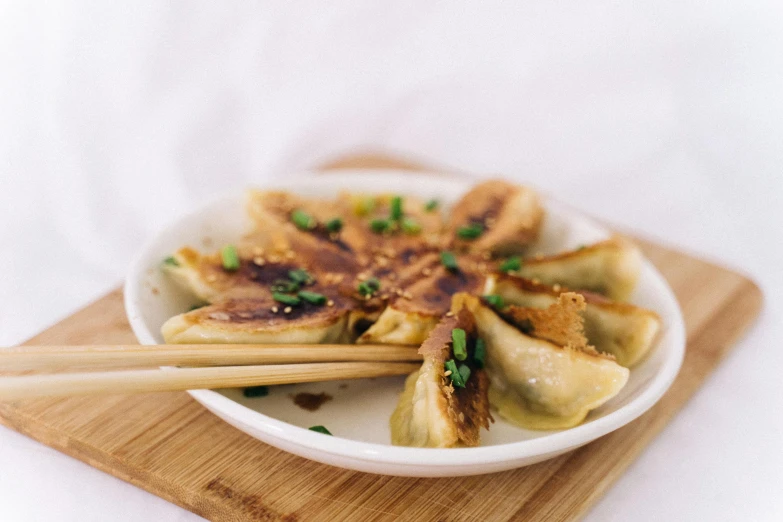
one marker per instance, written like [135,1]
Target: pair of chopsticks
[211,366]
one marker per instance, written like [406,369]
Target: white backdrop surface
[663,116]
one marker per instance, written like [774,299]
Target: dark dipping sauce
[311,401]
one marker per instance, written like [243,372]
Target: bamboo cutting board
[169,445]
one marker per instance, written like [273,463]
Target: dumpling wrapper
[431,412]
[610,268]
[509,214]
[537,384]
[623,330]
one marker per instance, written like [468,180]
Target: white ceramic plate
[358,415]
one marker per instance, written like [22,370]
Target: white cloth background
[663,116]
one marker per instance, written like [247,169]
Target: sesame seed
[398,291]
[260,261]
[449,314]
[274,309]
[330,303]
[556,288]
[287,309]
[448,372]
[407,295]
[426,271]
[362,276]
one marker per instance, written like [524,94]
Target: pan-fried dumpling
[537,384]
[287,223]
[504,218]
[610,268]
[621,329]
[243,309]
[432,410]
[253,320]
[419,300]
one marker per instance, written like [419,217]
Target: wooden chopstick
[133,355]
[177,379]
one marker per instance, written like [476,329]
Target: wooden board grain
[169,445]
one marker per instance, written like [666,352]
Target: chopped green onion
[196,307]
[455,376]
[320,429]
[285,286]
[410,226]
[494,300]
[300,276]
[170,261]
[256,391]
[364,207]
[396,208]
[312,297]
[511,264]
[380,225]
[464,372]
[459,344]
[334,225]
[369,287]
[581,247]
[303,220]
[431,205]
[449,261]
[285,298]
[471,231]
[230,258]
[480,352]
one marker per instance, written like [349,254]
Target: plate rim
[444,458]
